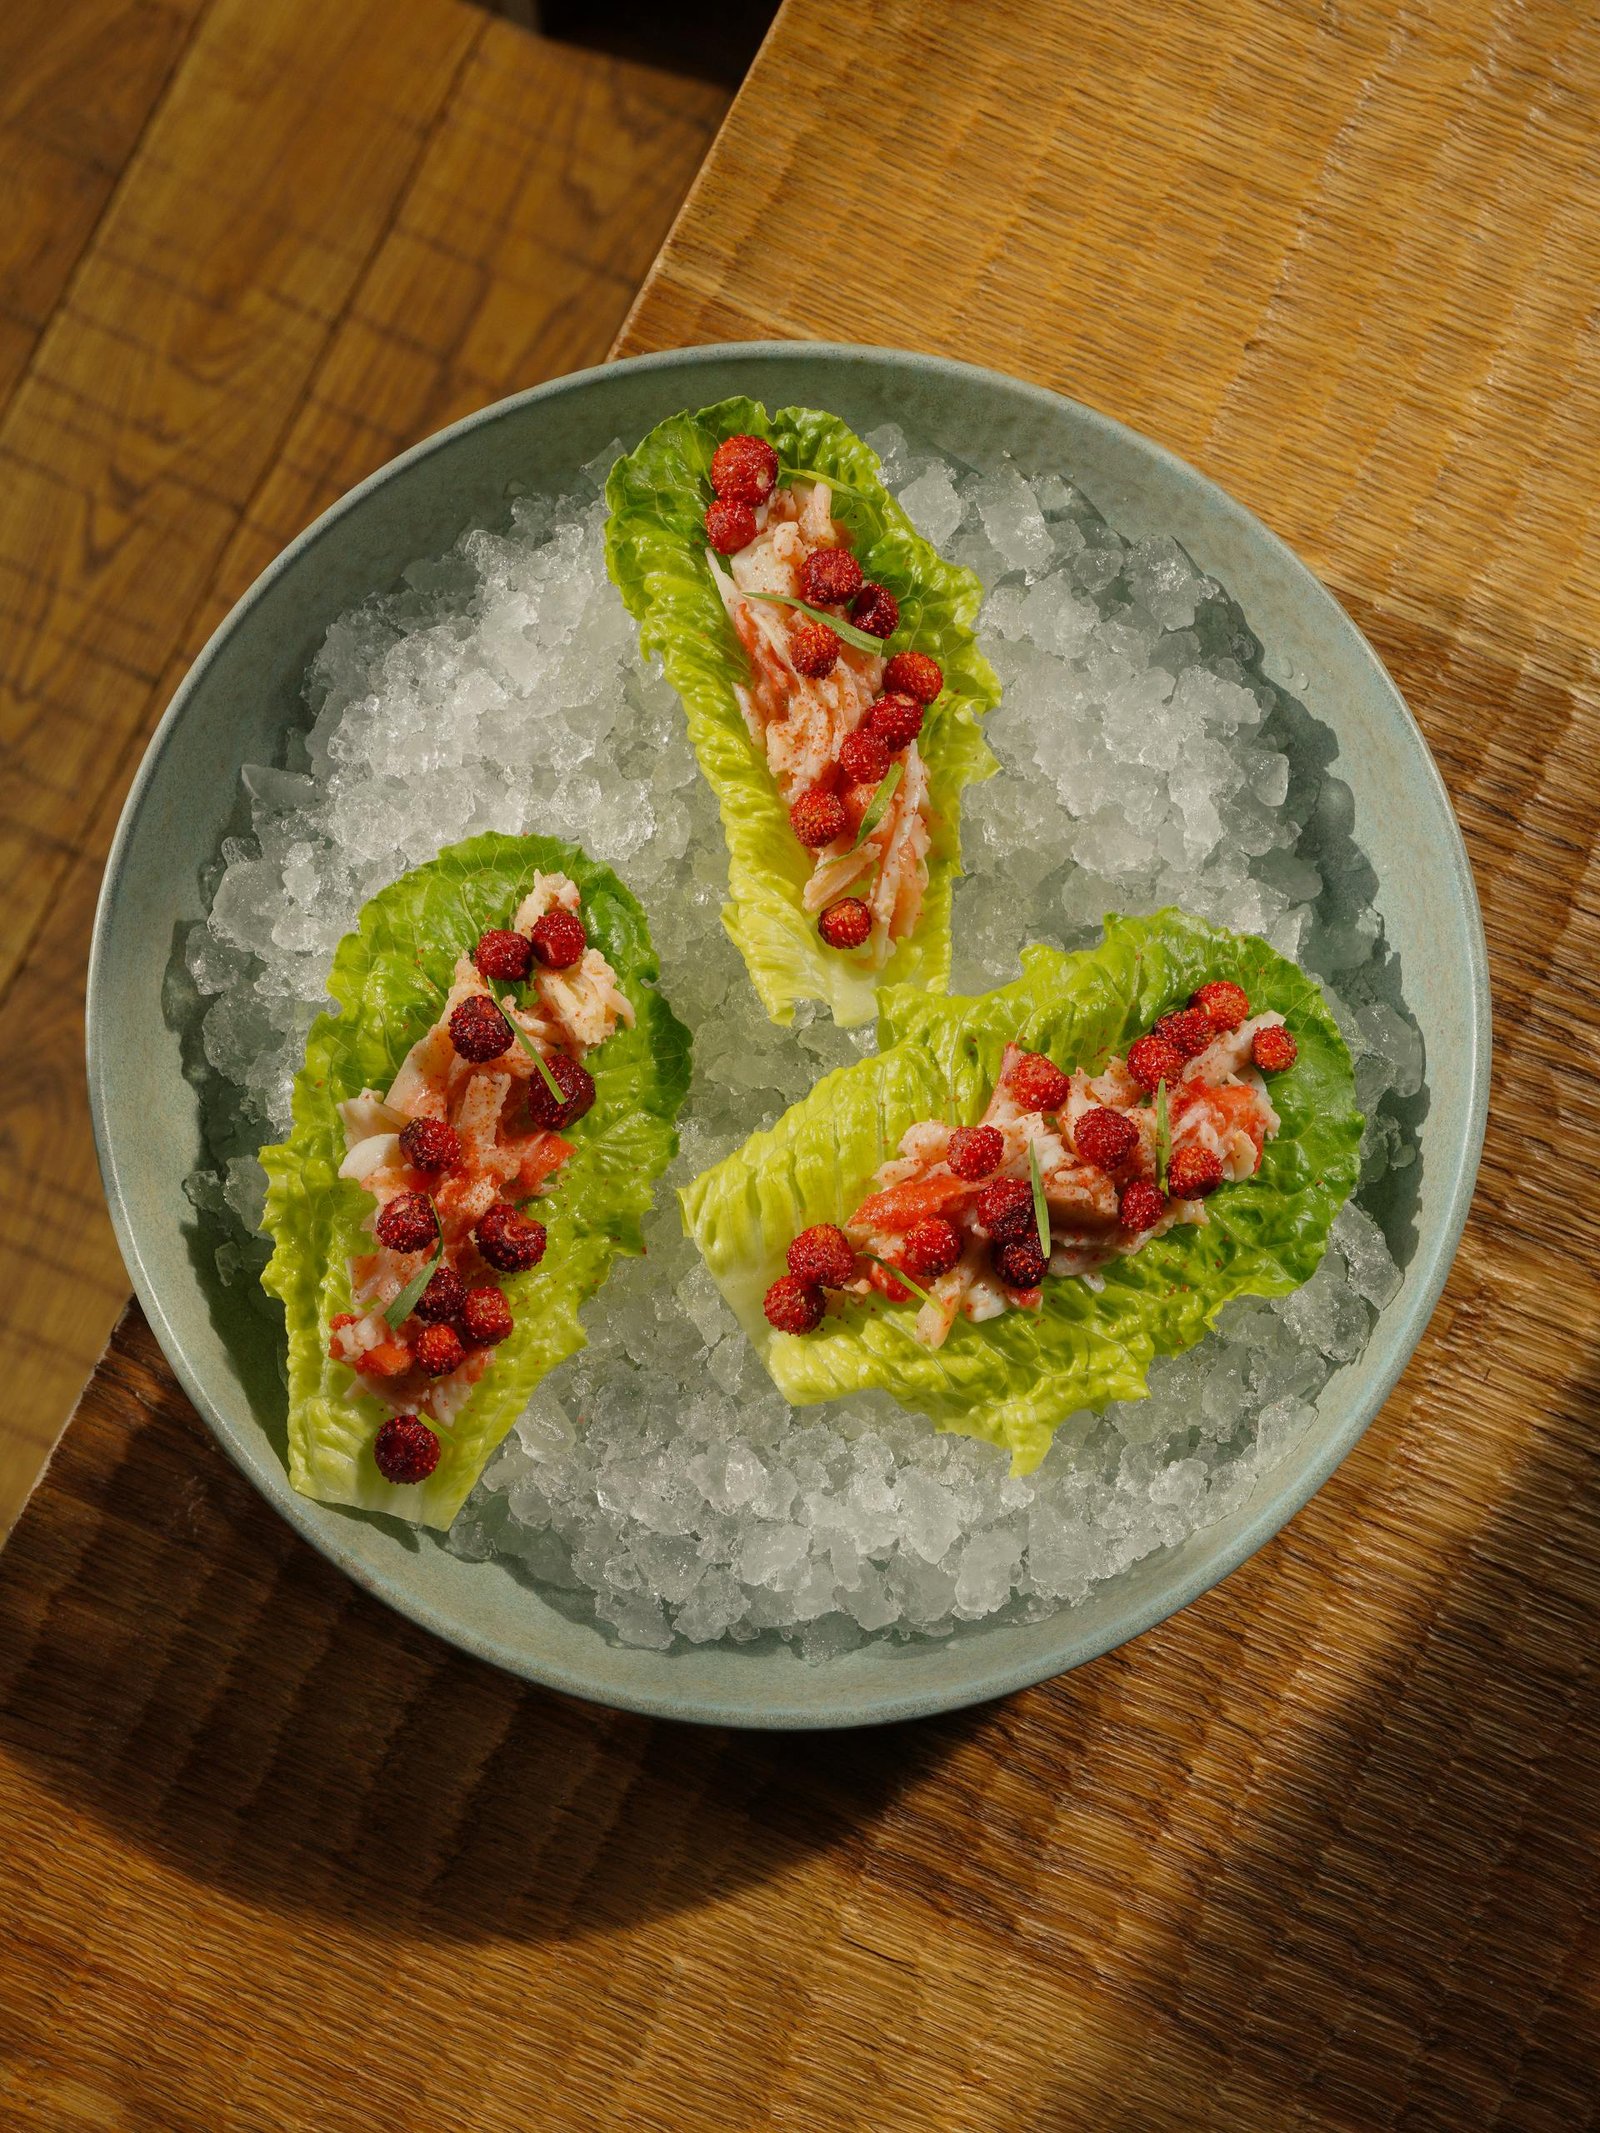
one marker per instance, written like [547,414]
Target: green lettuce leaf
[1014,1379]
[389,978]
[656,553]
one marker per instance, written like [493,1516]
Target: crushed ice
[1147,760]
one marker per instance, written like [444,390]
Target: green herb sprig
[533,1051]
[897,1274]
[880,802]
[1163,1135]
[406,1302]
[1041,1213]
[863,640]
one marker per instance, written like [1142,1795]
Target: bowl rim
[1424,1283]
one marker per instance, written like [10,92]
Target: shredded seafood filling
[1063,1173]
[468,1134]
[835,714]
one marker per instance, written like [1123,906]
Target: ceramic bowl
[244,692]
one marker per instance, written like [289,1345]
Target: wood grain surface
[1318,1853]
[298,241]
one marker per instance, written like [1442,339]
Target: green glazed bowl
[242,696]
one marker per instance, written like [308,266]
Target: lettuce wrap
[1014,1379]
[389,979]
[656,554]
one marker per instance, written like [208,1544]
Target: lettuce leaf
[389,978]
[1016,1378]
[656,553]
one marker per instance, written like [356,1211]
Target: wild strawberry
[1187,1029]
[863,759]
[576,1084]
[438,1351]
[975,1151]
[485,1316]
[829,577]
[1151,1060]
[559,939]
[405,1450]
[503,955]
[822,1257]
[1105,1138]
[429,1144]
[478,1030]
[441,1299]
[509,1241]
[813,650]
[744,469]
[896,720]
[930,1248]
[1225,1003]
[1005,1208]
[845,924]
[875,610]
[407,1223]
[1019,1262]
[730,527]
[817,817]
[1273,1049]
[913,674]
[793,1306]
[1193,1172]
[1038,1084]
[1140,1206]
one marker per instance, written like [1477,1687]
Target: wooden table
[1319,1852]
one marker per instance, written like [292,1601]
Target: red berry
[730,527]
[559,940]
[813,650]
[1273,1049]
[822,1257]
[845,924]
[509,1241]
[1225,1003]
[1140,1206]
[576,1084]
[1019,1262]
[975,1151]
[930,1248]
[1188,1030]
[438,1351]
[1151,1060]
[863,759]
[485,1316]
[441,1299]
[744,469]
[817,817]
[478,1030]
[829,577]
[1105,1138]
[1193,1172]
[875,610]
[1038,1084]
[913,674]
[429,1144]
[503,955]
[793,1306]
[1005,1208]
[405,1450]
[896,720]
[407,1223]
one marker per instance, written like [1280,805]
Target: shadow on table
[1406,1927]
[177,1663]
